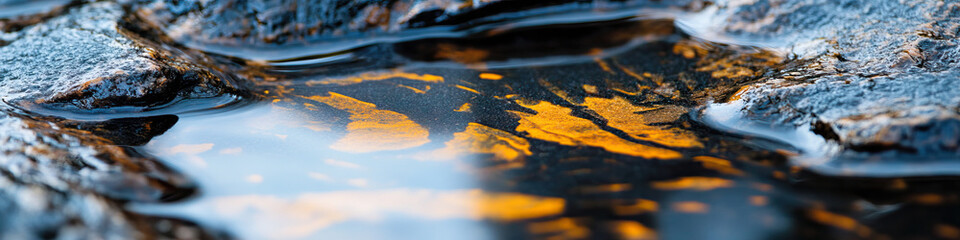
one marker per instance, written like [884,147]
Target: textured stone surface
[233,22]
[68,183]
[879,75]
[86,60]
[69,179]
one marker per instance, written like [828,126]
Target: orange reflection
[490,76]
[376,77]
[640,206]
[691,207]
[372,129]
[309,213]
[554,123]
[481,139]
[461,54]
[463,108]
[719,165]
[514,206]
[632,230]
[736,96]
[947,231]
[566,228]
[694,183]
[839,221]
[759,200]
[468,89]
[621,114]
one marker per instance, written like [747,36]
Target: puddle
[270,168]
[481,143]
[557,123]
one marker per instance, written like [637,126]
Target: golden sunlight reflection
[310,214]
[554,123]
[373,129]
[331,170]
[449,153]
[481,139]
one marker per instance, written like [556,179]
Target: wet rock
[17,14]
[68,179]
[53,155]
[238,23]
[852,36]
[85,60]
[61,182]
[36,212]
[879,78]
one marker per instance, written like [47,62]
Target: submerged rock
[877,77]
[86,60]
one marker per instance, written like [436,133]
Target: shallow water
[582,125]
[468,147]
[578,142]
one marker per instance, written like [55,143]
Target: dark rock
[32,211]
[68,179]
[62,182]
[18,14]
[43,152]
[36,211]
[883,75]
[258,23]
[85,60]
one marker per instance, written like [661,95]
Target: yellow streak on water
[415,90]
[463,108]
[481,139]
[491,76]
[468,89]
[736,96]
[567,228]
[693,183]
[309,213]
[719,165]
[603,65]
[465,55]
[376,77]
[515,206]
[640,206]
[373,129]
[839,221]
[633,230]
[621,114]
[691,207]
[554,123]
